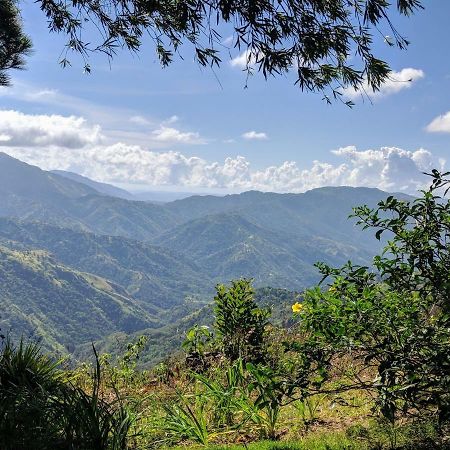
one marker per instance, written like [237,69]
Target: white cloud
[441,124]
[388,168]
[174,136]
[32,130]
[254,135]
[70,143]
[396,82]
[140,120]
[246,59]
[18,129]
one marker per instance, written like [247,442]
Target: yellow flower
[297,307]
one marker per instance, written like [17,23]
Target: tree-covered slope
[63,307]
[158,277]
[229,246]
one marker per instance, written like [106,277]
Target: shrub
[393,321]
[239,323]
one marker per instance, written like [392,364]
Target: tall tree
[14,45]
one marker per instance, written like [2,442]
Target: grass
[333,440]
[371,436]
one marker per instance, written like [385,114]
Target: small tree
[239,323]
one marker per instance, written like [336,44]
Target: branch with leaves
[327,44]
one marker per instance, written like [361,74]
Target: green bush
[30,389]
[393,321]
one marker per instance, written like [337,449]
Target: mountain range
[125,266]
[114,191]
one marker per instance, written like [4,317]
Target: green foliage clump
[393,322]
[239,323]
[29,382]
[40,409]
[14,44]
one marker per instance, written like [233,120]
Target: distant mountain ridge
[114,191]
[30,193]
[103,188]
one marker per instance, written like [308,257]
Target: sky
[134,124]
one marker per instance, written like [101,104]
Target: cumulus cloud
[18,129]
[173,136]
[388,168]
[70,143]
[396,82]
[255,136]
[32,130]
[441,124]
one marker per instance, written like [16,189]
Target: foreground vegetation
[364,365]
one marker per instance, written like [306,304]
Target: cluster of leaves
[393,322]
[314,38]
[14,44]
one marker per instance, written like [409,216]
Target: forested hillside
[159,278]
[42,299]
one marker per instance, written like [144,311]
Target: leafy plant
[393,321]
[30,384]
[272,391]
[40,409]
[198,340]
[239,322]
[227,396]
[186,419]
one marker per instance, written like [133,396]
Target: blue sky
[136,124]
